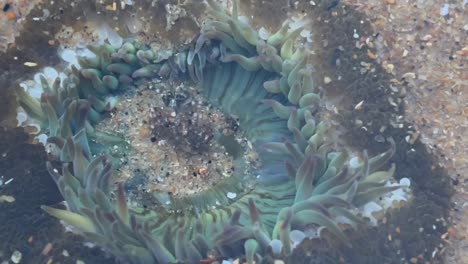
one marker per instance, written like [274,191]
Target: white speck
[244,19]
[263,33]
[8,181]
[306,34]
[355,35]
[276,246]
[231,195]
[297,22]
[354,162]
[405,182]
[87,244]
[444,10]
[217,203]
[21,117]
[296,237]
[50,73]
[359,105]
[172,103]
[405,53]
[369,209]
[7,199]
[16,257]
[30,64]
[68,55]
[311,233]
[408,138]
[327,80]
[42,138]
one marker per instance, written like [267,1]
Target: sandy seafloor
[406,60]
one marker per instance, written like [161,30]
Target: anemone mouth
[176,136]
[239,124]
[299,181]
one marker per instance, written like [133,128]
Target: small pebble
[444,10]
[7,198]
[359,105]
[30,64]
[47,248]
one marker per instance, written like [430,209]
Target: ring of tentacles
[303,183]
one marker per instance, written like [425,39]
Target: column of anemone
[325,187]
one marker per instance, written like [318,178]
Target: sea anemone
[303,182]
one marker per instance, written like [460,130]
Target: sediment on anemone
[303,183]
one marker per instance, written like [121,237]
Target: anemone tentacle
[268,85]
